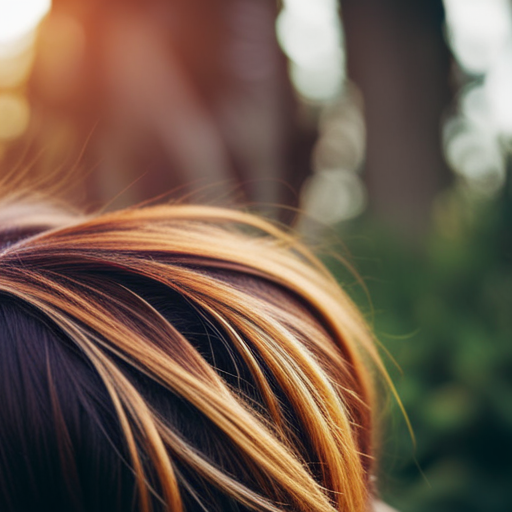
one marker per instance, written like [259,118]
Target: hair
[177,358]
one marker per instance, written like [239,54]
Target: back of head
[177,358]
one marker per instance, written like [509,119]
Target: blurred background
[381,129]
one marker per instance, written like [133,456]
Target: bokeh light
[15,69]
[480,35]
[335,192]
[334,195]
[498,87]
[15,116]
[18,20]
[477,30]
[310,33]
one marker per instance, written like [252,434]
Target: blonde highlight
[299,414]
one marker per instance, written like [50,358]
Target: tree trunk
[398,57]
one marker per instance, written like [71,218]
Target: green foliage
[442,307]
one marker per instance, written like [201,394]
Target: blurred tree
[194,95]
[398,57]
[444,315]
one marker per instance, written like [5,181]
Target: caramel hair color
[177,358]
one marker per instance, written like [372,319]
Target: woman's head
[176,358]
